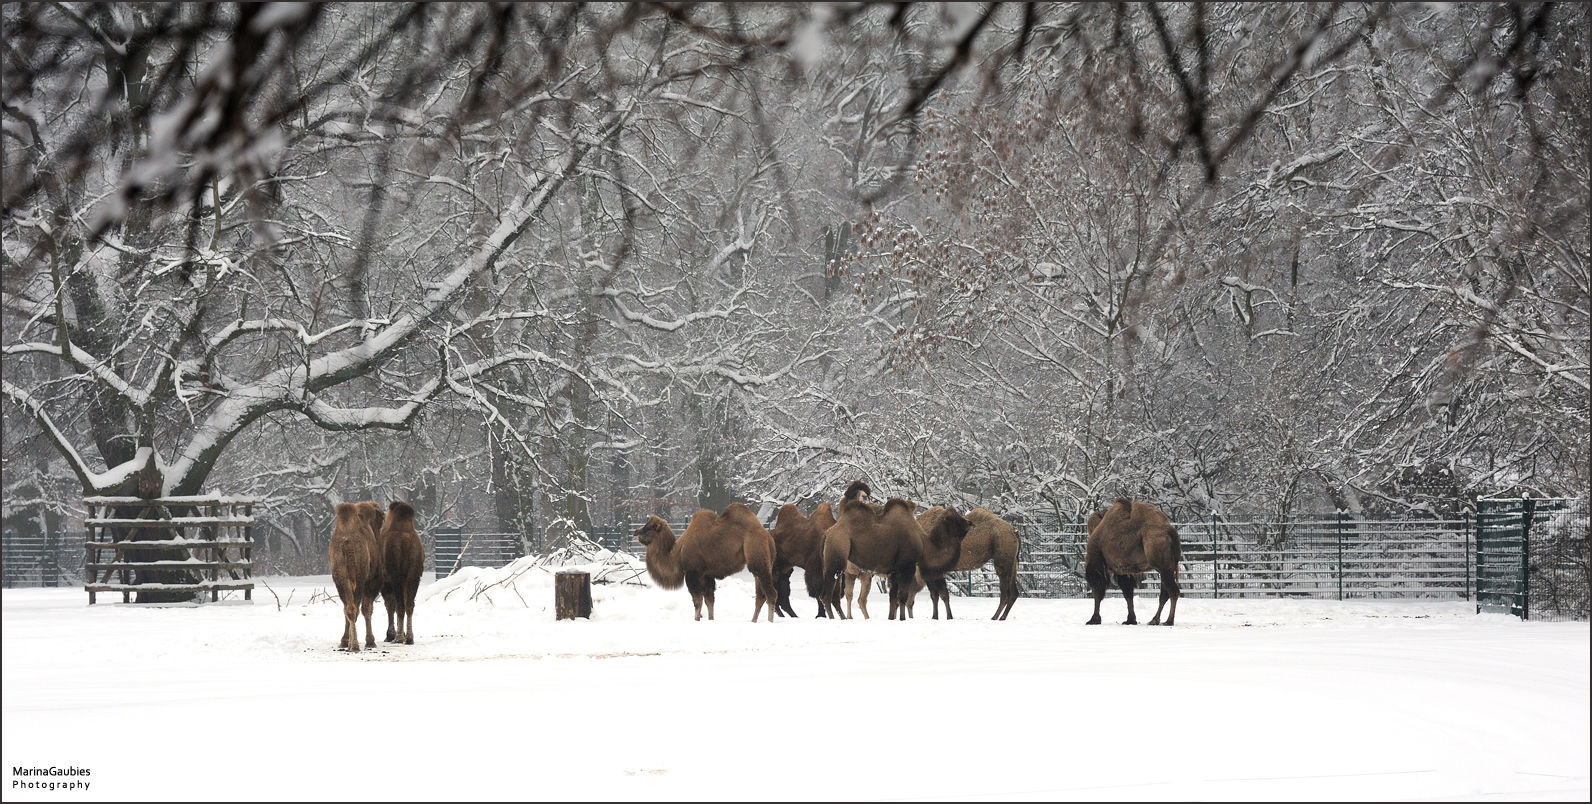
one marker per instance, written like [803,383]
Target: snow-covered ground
[1243,699]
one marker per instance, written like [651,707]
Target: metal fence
[1334,556]
[1532,558]
[456,547]
[40,559]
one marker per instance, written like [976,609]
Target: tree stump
[572,595]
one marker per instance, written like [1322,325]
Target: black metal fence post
[1466,529]
[1216,563]
[1528,512]
[1340,553]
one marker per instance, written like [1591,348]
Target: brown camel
[403,559]
[941,529]
[799,542]
[714,546]
[888,541]
[990,539]
[944,531]
[356,571]
[1125,541]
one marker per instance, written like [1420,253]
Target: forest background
[544,267]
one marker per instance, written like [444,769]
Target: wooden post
[572,595]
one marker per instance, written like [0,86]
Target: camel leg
[771,591]
[409,618]
[693,584]
[708,587]
[1096,577]
[1008,595]
[782,591]
[866,582]
[366,608]
[766,593]
[900,586]
[1125,583]
[831,601]
[940,590]
[829,594]
[896,603]
[1169,591]
[393,605]
[350,624]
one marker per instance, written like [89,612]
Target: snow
[1243,699]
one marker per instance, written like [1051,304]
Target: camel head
[955,524]
[663,561]
[655,528]
[858,490]
[371,512]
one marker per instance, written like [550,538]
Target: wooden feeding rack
[210,536]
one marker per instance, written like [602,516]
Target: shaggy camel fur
[885,540]
[990,539]
[1125,541]
[403,559]
[944,531]
[713,546]
[799,542]
[356,570]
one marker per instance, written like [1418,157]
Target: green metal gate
[1503,530]
[1533,558]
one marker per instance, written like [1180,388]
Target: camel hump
[823,516]
[401,510]
[897,503]
[738,511]
[346,510]
[858,490]
[706,517]
[856,507]
[1125,505]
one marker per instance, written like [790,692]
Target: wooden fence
[209,536]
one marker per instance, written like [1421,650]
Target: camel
[356,570]
[799,542]
[1125,541]
[949,524]
[944,530]
[403,560]
[990,539]
[371,511]
[888,540]
[713,546]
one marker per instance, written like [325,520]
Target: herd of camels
[912,550]
[373,554]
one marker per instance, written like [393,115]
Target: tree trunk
[572,595]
